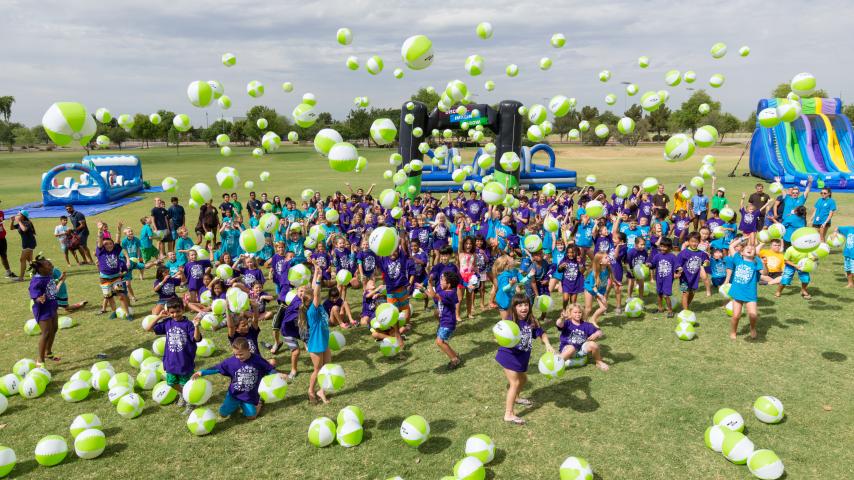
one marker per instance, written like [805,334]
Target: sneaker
[10,274]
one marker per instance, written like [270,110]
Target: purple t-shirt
[447,306]
[714,222]
[664,265]
[245,377]
[576,335]
[394,272]
[417,266]
[343,260]
[289,327]
[251,276]
[439,269]
[179,356]
[369,306]
[328,304]
[251,337]
[167,291]
[524,213]
[691,263]
[194,273]
[602,244]
[440,237]
[368,260]
[280,268]
[635,257]
[749,221]
[43,285]
[474,209]
[109,263]
[422,234]
[680,225]
[321,261]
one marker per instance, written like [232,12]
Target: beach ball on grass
[163,394]
[23,366]
[634,308]
[414,430]
[130,406]
[736,447]
[765,465]
[331,377]
[158,346]
[32,387]
[389,347]
[31,327]
[687,316]
[507,333]
[349,434]
[714,437]
[685,331]
[201,421]
[9,384]
[576,468]
[729,418]
[148,378]
[469,468]
[768,409]
[417,52]
[138,356]
[90,444]
[383,241]
[197,391]
[321,432]
[351,413]
[551,365]
[51,450]
[67,122]
[480,446]
[75,390]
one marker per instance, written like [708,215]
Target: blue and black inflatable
[102,179]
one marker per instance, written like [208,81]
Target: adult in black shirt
[161,225]
[21,222]
[208,222]
[759,199]
[176,217]
[253,205]
[81,228]
[660,199]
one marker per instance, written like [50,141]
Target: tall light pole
[625,96]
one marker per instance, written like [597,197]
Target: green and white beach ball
[31,327]
[101,379]
[271,141]
[262,123]
[484,30]
[321,432]
[337,341]
[398,73]
[632,89]
[558,40]
[559,105]
[374,65]
[130,406]
[545,63]
[643,62]
[649,184]
[714,437]
[304,115]
[349,434]
[9,384]
[257,152]
[707,171]
[238,300]
[255,89]
[551,365]
[169,184]
[717,80]
[806,239]
[32,386]
[102,115]
[163,394]
[102,141]
[704,108]
[768,118]
[718,50]
[489,85]
[533,243]
[549,189]
[788,112]
[729,418]
[602,131]
[205,347]
[23,366]
[469,468]
[148,378]
[776,231]
[727,214]
[634,307]
[389,198]
[678,148]
[765,465]
[689,77]
[75,390]
[673,77]
[389,347]
[158,346]
[687,316]
[803,84]
[768,409]
[229,59]
[685,331]
[8,460]
[197,391]
[138,356]
[650,101]
[481,447]
[383,131]
[537,114]
[507,333]
[344,36]
[806,265]
[584,125]
[67,122]
[125,121]
[299,275]
[474,65]
[575,468]
[610,99]
[351,413]
[706,136]
[201,421]
[118,391]
[594,209]
[414,430]
[493,193]
[343,157]
[84,422]
[224,102]
[216,87]
[325,140]
[222,139]
[51,450]
[331,377]
[386,316]
[604,75]
[181,122]
[383,241]
[273,387]
[512,70]
[227,178]
[535,133]
[622,191]
[90,444]
[736,447]
[417,52]
[626,125]
[200,93]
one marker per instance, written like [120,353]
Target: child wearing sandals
[446,301]
[578,338]
[43,294]
[515,360]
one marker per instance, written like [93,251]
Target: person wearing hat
[21,222]
[719,201]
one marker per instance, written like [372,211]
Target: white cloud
[140,56]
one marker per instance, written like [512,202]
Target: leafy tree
[117,134]
[783,89]
[658,120]
[635,112]
[589,113]
[725,123]
[24,136]
[208,135]
[165,127]
[143,130]
[750,124]
[562,125]
[8,131]
[251,129]
[6,107]
[848,111]
[236,132]
[688,117]
[431,100]
[40,135]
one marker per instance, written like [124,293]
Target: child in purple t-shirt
[664,264]
[164,286]
[246,369]
[689,263]
[635,258]
[749,220]
[577,337]
[179,356]
[447,300]
[43,295]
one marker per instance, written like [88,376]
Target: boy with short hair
[61,233]
[689,263]
[774,260]
[179,355]
[447,300]
[664,264]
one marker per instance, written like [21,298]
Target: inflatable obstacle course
[101,179]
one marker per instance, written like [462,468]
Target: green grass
[643,419]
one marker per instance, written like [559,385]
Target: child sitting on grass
[578,338]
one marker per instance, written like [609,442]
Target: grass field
[643,419]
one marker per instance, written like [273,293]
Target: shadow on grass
[391,423]
[434,445]
[113,449]
[500,456]
[615,357]
[830,356]
[565,394]
[355,354]
[15,408]
[796,321]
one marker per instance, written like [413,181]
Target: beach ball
[125,121]
[512,70]
[84,375]
[765,464]
[679,147]
[551,365]
[533,243]
[768,118]
[163,394]
[776,231]
[535,133]
[304,115]
[75,390]
[389,198]
[84,422]
[224,102]
[90,443]
[102,115]
[271,141]
[469,468]
[673,77]
[632,89]
[139,355]
[685,331]
[118,391]
[697,182]
[238,300]
[785,112]
[634,307]
[558,40]
[130,405]
[383,131]
[543,303]
[650,101]
[545,63]
[729,418]
[8,459]
[158,346]
[481,447]
[344,36]
[352,62]
[398,73]
[489,85]
[32,386]
[23,366]
[622,191]
[594,209]
[706,136]
[41,373]
[687,316]
[148,378]
[343,157]
[641,271]
[383,241]
[559,105]
[101,379]
[835,240]
[337,341]
[273,388]
[643,62]
[590,179]
[299,275]
[806,265]
[690,76]
[584,125]
[31,327]
[803,84]
[626,125]
[262,123]
[255,89]
[349,434]
[169,184]
[200,93]
[806,239]
[216,87]
[374,65]
[227,178]
[602,130]
[51,450]
[484,30]
[197,391]
[102,141]
[736,447]
[474,65]
[604,75]
[351,413]
[768,409]
[717,80]
[201,421]
[325,140]
[551,224]
[714,437]
[331,377]
[389,347]
[493,193]
[66,122]
[414,430]
[704,108]
[575,468]
[321,432]
[386,316]
[610,99]
[707,171]
[417,52]
[229,60]
[649,184]
[181,122]
[718,50]
[507,333]
[727,214]
[9,384]
[537,114]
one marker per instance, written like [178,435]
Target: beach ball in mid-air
[326,139]
[643,62]
[706,136]
[689,77]
[200,93]
[704,108]
[383,131]
[803,84]
[673,78]
[650,101]
[806,239]
[678,148]
[507,333]
[66,122]
[255,89]
[649,184]
[558,40]
[224,102]
[417,52]
[252,240]
[717,80]
[374,65]
[602,130]
[604,75]
[343,157]
[304,115]
[181,122]
[474,65]
[767,117]
[344,36]
[102,115]
[229,60]
[718,50]
[626,125]
[551,365]
[484,30]
[512,70]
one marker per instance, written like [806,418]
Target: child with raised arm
[578,338]
[596,287]
[689,263]
[664,264]
[743,272]
[179,356]
[315,318]
[43,295]
[446,300]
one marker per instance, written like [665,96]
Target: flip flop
[515,421]
[276,348]
[524,401]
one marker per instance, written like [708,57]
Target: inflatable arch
[102,179]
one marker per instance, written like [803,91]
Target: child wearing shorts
[179,356]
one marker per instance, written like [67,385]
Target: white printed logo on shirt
[176,338]
[743,274]
[245,378]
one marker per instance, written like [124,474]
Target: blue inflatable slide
[101,179]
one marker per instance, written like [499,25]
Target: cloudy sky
[140,56]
